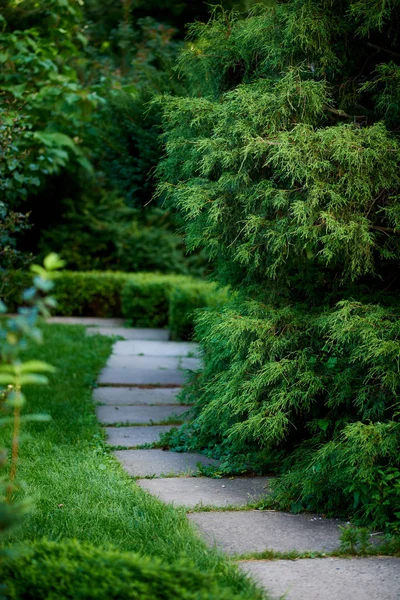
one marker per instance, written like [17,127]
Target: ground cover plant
[78,491]
[284,161]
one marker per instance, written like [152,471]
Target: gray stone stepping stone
[256,531]
[191,492]
[156,463]
[130,333]
[138,414]
[131,377]
[154,348]
[132,395]
[373,578]
[153,362]
[86,321]
[135,436]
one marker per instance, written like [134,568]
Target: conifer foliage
[284,160]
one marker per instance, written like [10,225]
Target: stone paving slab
[135,396]
[131,333]
[153,362]
[138,414]
[270,530]
[195,491]
[131,377]
[87,321]
[156,463]
[154,348]
[135,436]
[376,578]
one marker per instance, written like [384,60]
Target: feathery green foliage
[283,159]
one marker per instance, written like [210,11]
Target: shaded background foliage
[77,129]
[283,158]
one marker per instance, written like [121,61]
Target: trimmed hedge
[57,571]
[143,299]
[78,293]
[185,299]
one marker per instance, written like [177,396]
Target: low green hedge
[78,293]
[89,293]
[74,571]
[143,299]
[185,299]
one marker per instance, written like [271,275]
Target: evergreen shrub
[56,571]
[283,159]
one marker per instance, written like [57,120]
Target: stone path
[136,401]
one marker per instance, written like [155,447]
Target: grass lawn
[78,489]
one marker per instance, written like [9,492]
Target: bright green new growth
[284,160]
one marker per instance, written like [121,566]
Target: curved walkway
[136,402]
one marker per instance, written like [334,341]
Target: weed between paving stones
[387,549]
[149,424]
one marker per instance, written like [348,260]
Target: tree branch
[380,49]
[386,229]
[342,113]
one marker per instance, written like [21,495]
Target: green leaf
[323,424]
[331,362]
[31,379]
[38,366]
[7,369]
[39,270]
[55,139]
[7,379]
[53,261]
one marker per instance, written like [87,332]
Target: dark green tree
[284,161]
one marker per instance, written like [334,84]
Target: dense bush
[50,570]
[284,161]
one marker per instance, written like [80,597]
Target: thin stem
[14,450]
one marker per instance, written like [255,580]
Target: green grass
[78,489]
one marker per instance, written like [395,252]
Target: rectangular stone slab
[153,362]
[130,333]
[158,377]
[134,396]
[135,436]
[373,578]
[138,414]
[154,348]
[256,531]
[202,491]
[149,463]
[86,321]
